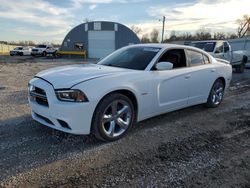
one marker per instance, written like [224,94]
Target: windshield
[18,48]
[41,46]
[206,46]
[136,58]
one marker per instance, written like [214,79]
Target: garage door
[101,43]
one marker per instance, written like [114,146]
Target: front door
[172,89]
[171,86]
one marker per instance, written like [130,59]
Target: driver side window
[176,57]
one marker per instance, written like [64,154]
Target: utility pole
[163,28]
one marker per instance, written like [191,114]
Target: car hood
[66,77]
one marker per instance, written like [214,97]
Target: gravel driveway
[193,147]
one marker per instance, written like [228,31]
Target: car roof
[207,41]
[167,46]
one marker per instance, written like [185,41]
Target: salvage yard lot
[191,147]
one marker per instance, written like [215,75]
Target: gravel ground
[193,147]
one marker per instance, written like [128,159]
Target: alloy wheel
[116,118]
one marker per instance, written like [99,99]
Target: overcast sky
[51,20]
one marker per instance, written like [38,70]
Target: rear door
[201,78]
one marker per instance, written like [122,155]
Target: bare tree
[137,30]
[145,39]
[231,36]
[244,26]
[203,34]
[23,43]
[154,36]
[219,36]
[173,36]
[86,20]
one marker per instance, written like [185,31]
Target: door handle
[212,70]
[188,76]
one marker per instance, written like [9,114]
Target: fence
[5,48]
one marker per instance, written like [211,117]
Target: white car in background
[40,50]
[222,49]
[51,51]
[21,50]
[132,84]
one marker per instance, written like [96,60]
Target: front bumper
[14,53]
[70,117]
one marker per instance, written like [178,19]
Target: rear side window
[195,58]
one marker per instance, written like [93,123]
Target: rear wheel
[113,117]
[216,94]
[240,68]
[21,53]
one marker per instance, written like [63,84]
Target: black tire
[54,54]
[216,94]
[240,68]
[44,54]
[21,53]
[99,128]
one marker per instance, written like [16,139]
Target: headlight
[71,95]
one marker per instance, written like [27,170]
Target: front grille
[39,95]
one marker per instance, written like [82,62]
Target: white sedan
[132,84]
[20,51]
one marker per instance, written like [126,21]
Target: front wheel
[216,94]
[113,117]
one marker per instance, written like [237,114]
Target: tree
[244,26]
[137,30]
[86,20]
[154,36]
[145,39]
[219,36]
[203,34]
[173,36]
[231,36]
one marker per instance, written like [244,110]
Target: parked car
[132,84]
[22,50]
[222,49]
[40,50]
[51,51]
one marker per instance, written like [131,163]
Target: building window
[97,26]
[86,27]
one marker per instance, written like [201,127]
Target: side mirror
[164,66]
